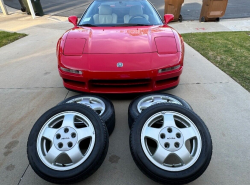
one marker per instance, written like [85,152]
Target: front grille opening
[166,81]
[120,83]
[74,83]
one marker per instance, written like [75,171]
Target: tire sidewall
[97,152]
[147,166]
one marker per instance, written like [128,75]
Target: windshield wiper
[141,24]
[88,25]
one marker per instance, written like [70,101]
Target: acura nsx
[120,46]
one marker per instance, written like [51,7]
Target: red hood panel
[130,62]
[120,39]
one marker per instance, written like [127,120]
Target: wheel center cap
[65,138]
[171,139]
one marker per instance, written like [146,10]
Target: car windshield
[120,13]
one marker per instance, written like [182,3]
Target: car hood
[107,40]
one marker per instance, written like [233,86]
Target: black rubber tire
[180,18]
[133,112]
[23,9]
[108,117]
[203,19]
[154,172]
[88,167]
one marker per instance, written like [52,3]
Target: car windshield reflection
[120,13]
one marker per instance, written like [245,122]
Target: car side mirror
[73,19]
[168,18]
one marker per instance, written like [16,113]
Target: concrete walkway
[30,85]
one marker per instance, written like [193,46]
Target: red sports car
[120,46]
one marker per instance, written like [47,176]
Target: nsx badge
[119,64]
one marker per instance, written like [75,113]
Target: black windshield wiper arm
[141,25]
[88,25]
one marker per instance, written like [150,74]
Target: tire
[23,9]
[133,111]
[82,165]
[108,115]
[153,165]
[203,19]
[180,18]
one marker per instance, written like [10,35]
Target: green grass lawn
[6,37]
[230,51]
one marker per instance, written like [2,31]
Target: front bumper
[140,72]
[117,82]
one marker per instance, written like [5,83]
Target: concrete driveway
[30,85]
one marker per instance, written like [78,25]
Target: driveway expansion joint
[23,174]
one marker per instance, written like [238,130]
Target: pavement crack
[66,95]
[23,174]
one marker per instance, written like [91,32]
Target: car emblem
[119,64]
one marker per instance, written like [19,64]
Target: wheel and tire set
[169,142]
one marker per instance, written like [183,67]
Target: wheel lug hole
[73,135]
[167,145]
[169,130]
[66,130]
[58,136]
[60,145]
[178,135]
[177,145]
[162,136]
[70,144]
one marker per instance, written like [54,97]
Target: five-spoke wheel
[67,143]
[168,135]
[59,143]
[102,106]
[138,105]
[170,144]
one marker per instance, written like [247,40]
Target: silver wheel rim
[66,140]
[155,99]
[94,103]
[171,141]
